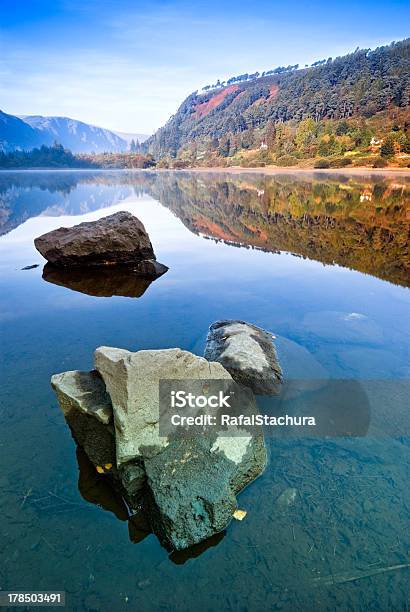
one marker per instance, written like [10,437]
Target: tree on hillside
[270,135]
[224,146]
[387,149]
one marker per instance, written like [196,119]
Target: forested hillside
[327,109]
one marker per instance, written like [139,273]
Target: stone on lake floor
[247,352]
[287,498]
[132,381]
[119,239]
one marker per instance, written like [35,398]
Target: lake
[323,263]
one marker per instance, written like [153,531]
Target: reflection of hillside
[361,226]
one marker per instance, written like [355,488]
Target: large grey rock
[187,486]
[117,239]
[132,381]
[193,482]
[247,352]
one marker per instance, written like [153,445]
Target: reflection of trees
[357,225]
[360,224]
[65,181]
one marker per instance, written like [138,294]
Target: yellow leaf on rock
[100,470]
[108,466]
[239,515]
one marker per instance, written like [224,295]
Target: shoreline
[271,170]
[267,170]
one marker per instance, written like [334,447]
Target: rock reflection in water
[97,490]
[179,557]
[99,282]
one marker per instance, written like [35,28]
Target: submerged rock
[287,498]
[247,352]
[106,281]
[120,238]
[132,381]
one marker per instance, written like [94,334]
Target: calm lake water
[323,263]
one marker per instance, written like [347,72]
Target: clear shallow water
[340,308]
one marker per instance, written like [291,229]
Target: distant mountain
[130,137]
[17,134]
[28,132]
[77,136]
[245,111]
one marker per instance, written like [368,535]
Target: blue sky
[127,65]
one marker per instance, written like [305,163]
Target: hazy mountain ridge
[78,136]
[17,134]
[360,84]
[31,131]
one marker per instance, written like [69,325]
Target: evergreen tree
[387,148]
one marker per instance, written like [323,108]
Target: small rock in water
[247,352]
[30,267]
[144,583]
